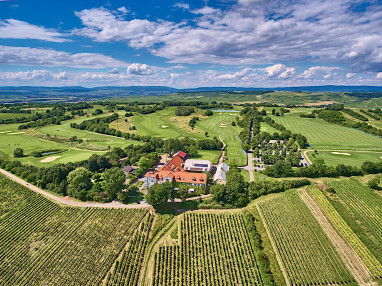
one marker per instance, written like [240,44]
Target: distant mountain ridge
[157,90]
[19,94]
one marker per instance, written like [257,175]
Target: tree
[79,183]
[233,123]
[113,181]
[208,112]
[158,194]
[374,183]
[206,133]
[143,163]
[18,152]
[182,192]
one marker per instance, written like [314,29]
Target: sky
[247,43]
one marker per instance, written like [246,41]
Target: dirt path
[274,247]
[68,201]
[350,258]
[222,157]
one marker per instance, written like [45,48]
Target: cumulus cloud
[318,71]
[52,58]
[253,32]
[379,75]
[103,25]
[184,6]
[115,71]
[235,76]
[350,75]
[15,29]
[206,10]
[280,71]
[139,69]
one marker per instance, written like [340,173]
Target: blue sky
[250,43]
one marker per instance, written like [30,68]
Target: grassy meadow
[324,135]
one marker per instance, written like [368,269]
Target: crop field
[353,158]
[43,243]
[365,207]
[324,135]
[306,253]
[214,249]
[347,233]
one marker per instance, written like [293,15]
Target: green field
[11,138]
[356,158]
[264,127]
[220,124]
[42,243]
[14,115]
[324,135]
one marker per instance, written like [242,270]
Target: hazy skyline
[249,43]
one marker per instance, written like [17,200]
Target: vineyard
[127,269]
[214,249]
[12,195]
[365,207]
[42,243]
[306,254]
[364,253]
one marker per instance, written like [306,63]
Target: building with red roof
[173,172]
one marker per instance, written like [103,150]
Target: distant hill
[15,94]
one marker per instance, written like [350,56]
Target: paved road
[68,201]
[250,167]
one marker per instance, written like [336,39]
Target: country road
[68,201]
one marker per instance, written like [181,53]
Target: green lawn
[354,159]
[102,141]
[214,125]
[324,135]
[165,124]
[212,156]
[14,115]
[30,141]
[264,127]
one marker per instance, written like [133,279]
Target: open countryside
[191,143]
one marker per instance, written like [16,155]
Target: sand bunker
[5,131]
[338,153]
[223,126]
[15,133]
[49,159]
[164,126]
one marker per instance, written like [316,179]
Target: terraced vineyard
[43,243]
[214,249]
[306,254]
[347,233]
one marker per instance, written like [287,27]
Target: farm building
[220,176]
[129,170]
[174,171]
[197,165]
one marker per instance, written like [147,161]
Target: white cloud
[15,29]
[280,71]
[103,26]
[206,10]
[350,75]
[379,75]
[184,6]
[26,76]
[235,76]
[115,71]
[318,71]
[123,10]
[52,58]
[139,69]
[263,32]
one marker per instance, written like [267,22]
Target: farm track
[350,258]
[69,202]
